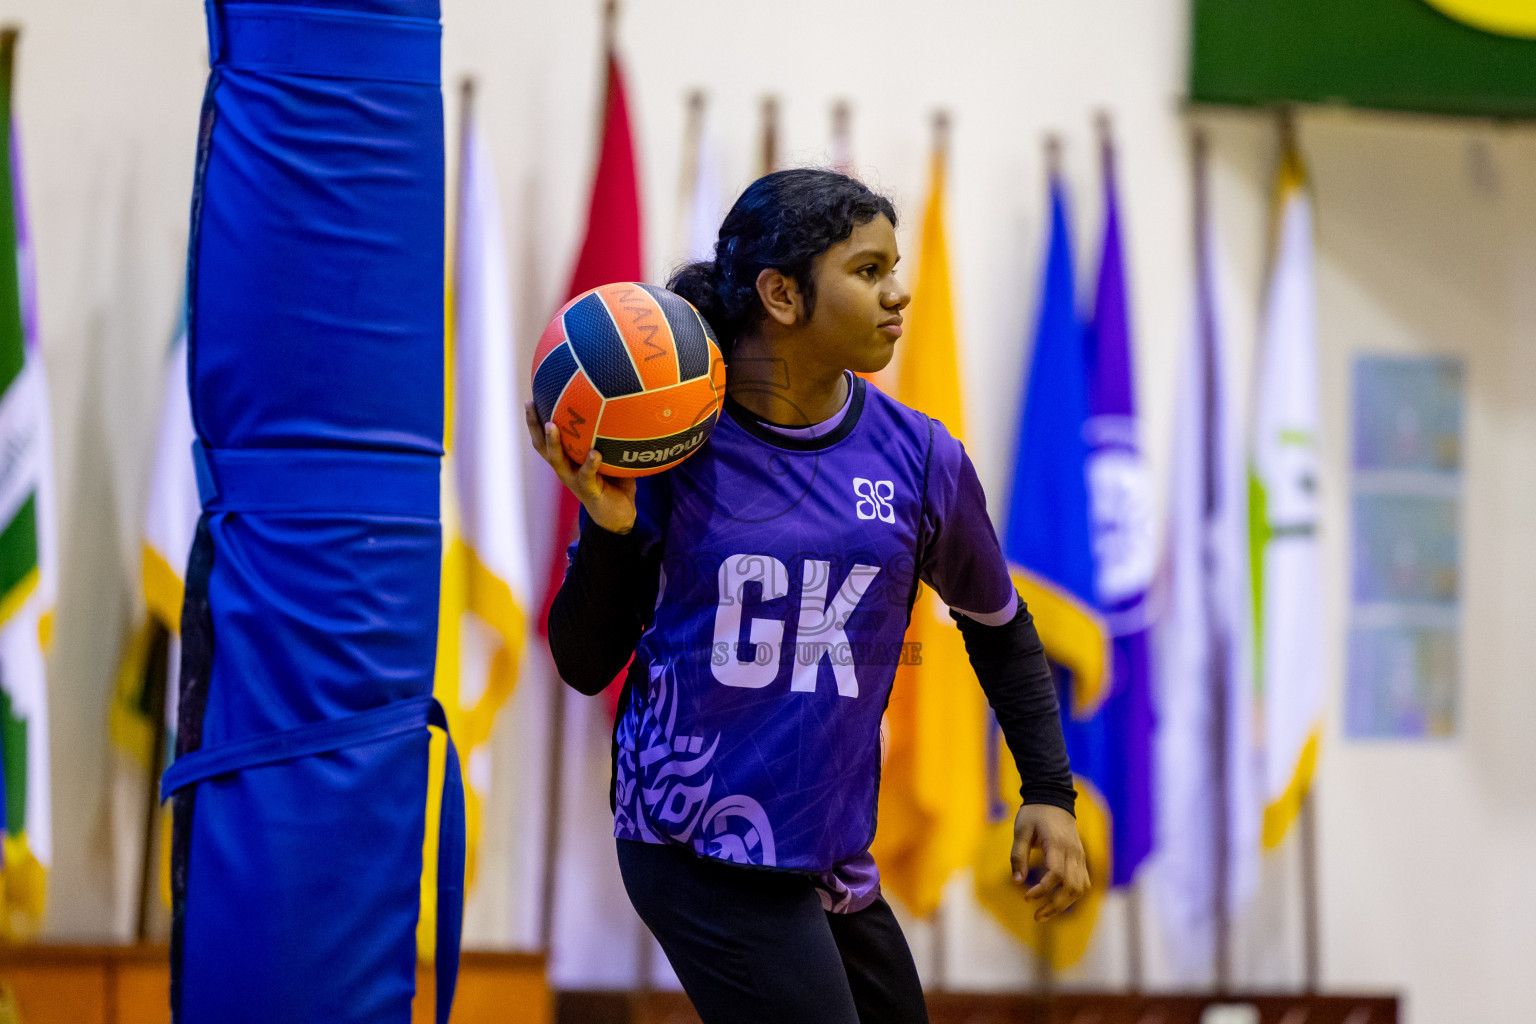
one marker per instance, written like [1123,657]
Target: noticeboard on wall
[1405,574]
[1461,57]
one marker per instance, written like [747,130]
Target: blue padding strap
[324,43]
[317,480]
[320,737]
[333,734]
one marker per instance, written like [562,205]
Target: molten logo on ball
[631,370]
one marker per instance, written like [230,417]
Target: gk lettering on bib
[789,568]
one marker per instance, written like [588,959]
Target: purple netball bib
[789,570]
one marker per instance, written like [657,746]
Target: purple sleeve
[961,558]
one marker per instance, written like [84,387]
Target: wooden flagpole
[842,137]
[156,678]
[693,134]
[1217,651]
[1134,953]
[1311,930]
[768,154]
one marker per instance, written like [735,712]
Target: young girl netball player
[763,587]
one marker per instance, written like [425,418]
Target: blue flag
[1124,548]
[1049,542]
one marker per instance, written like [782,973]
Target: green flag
[28,566]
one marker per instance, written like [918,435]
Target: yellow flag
[932,787]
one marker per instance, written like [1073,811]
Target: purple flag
[1124,548]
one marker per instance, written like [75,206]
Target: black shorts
[756,947]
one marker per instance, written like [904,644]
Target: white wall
[1426,234]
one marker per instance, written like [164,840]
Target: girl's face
[857,318]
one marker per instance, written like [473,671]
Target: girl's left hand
[1054,832]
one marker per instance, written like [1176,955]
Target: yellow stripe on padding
[1279,815]
[163,588]
[1075,637]
[468,586]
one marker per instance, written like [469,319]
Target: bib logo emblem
[875,499]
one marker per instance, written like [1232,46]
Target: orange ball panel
[645,331]
[659,413]
[576,415]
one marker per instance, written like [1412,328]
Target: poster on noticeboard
[1403,669]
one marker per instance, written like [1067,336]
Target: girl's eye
[870,271]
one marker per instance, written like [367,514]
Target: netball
[631,370]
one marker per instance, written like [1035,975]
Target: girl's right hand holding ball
[610,501]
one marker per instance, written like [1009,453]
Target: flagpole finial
[610,23]
[1053,154]
[696,101]
[1285,117]
[1103,125]
[842,116]
[941,125]
[467,89]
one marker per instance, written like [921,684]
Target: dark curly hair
[783,221]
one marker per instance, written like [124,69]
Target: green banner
[1412,55]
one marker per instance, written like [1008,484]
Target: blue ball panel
[600,350]
[553,374]
[689,332]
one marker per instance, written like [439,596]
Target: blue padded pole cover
[316,374]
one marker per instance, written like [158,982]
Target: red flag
[609,252]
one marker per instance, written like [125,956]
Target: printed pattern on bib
[672,777]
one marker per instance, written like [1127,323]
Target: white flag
[485,449]
[28,562]
[1203,645]
[485,582]
[701,198]
[170,520]
[1283,465]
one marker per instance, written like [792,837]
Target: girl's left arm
[963,562]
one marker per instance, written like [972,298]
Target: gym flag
[1208,814]
[485,587]
[610,251]
[1124,550]
[931,788]
[146,678]
[28,551]
[701,205]
[1283,509]
[1049,544]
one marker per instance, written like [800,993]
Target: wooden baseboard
[46,984]
[1075,1008]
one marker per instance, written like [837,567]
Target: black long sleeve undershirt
[609,594]
[602,607]
[1010,662]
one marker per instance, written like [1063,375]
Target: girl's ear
[780,296]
